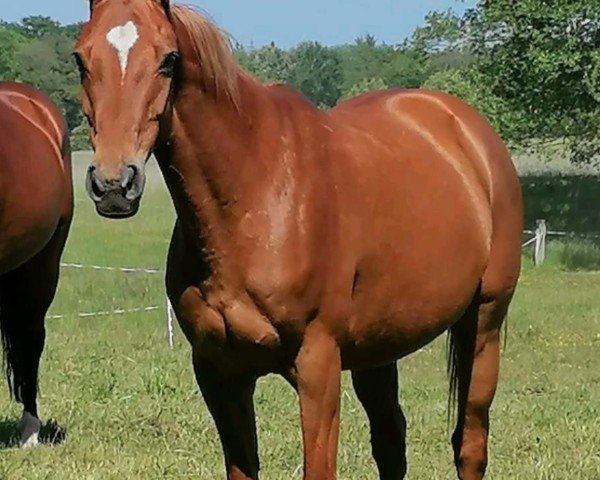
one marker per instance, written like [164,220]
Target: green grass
[132,411]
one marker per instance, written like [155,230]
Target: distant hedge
[567,202]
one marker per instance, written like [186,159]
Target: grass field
[131,409]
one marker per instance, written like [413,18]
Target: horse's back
[396,136]
[35,173]
[438,205]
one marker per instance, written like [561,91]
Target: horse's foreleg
[477,355]
[318,376]
[377,390]
[230,401]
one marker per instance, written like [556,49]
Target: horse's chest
[233,332]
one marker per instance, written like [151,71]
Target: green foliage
[38,27]
[542,58]
[467,84]
[9,44]
[267,64]
[365,60]
[364,86]
[80,137]
[316,72]
[441,32]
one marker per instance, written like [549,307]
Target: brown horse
[36,206]
[307,242]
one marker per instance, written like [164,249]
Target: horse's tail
[452,369]
[8,354]
[456,367]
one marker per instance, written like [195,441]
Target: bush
[365,86]
[580,255]
[80,138]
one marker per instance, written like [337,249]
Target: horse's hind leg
[475,348]
[25,296]
[377,390]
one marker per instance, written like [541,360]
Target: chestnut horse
[307,242]
[36,195]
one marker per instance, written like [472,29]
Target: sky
[258,22]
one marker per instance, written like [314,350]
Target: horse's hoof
[29,430]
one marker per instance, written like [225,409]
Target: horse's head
[127,54]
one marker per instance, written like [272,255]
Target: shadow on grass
[50,433]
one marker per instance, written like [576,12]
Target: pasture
[131,408]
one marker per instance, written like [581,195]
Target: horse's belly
[405,300]
[384,341]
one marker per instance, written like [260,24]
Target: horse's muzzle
[116,197]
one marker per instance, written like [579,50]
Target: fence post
[539,251]
[170,315]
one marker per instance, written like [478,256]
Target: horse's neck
[212,164]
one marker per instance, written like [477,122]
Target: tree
[402,68]
[359,61]
[267,64]
[542,59]
[316,72]
[442,31]
[10,41]
[39,26]
[365,60]
[45,63]
[469,85]
[365,86]
[442,43]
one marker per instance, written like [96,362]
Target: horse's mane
[219,69]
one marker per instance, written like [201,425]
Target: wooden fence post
[539,251]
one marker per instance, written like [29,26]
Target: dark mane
[219,69]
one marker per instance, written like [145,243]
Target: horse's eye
[167,66]
[83,71]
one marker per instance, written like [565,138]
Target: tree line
[532,68]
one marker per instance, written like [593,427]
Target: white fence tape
[122,311]
[118,311]
[79,266]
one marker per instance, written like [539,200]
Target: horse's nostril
[94,186]
[129,177]
[132,182]
[96,190]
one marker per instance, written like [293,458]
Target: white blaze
[122,39]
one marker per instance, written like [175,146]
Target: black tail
[452,370]
[8,356]
[458,367]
